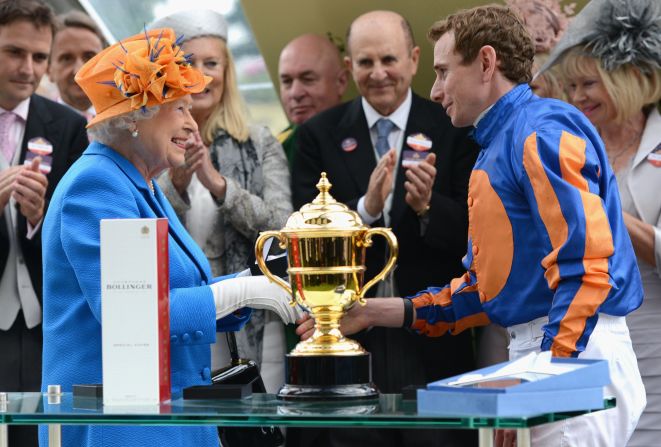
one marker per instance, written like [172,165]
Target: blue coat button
[185,338]
[206,374]
[198,334]
[174,339]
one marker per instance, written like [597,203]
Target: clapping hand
[29,191]
[195,152]
[7,179]
[380,184]
[419,181]
[200,160]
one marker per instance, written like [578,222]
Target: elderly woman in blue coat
[141,90]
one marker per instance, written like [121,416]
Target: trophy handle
[259,249]
[394,248]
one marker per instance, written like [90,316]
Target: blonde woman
[621,104]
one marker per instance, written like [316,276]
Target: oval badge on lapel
[349,144]
[655,156]
[419,142]
[40,147]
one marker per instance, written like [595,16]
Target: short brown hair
[33,11]
[494,25]
[78,19]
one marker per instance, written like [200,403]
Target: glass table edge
[238,419]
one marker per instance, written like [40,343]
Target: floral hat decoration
[545,20]
[145,70]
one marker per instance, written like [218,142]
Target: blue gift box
[580,388]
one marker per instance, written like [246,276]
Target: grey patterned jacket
[258,198]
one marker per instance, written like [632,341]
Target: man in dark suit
[50,137]
[371,149]
[312,78]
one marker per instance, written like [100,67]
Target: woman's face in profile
[164,136]
[208,56]
[588,93]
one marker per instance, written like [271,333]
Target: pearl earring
[134,133]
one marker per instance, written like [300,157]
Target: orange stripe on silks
[598,236]
[585,304]
[598,248]
[552,273]
[440,328]
[444,298]
[491,234]
[458,282]
[470,321]
[548,206]
[428,299]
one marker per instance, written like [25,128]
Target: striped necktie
[383,128]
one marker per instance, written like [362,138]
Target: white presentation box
[135,312]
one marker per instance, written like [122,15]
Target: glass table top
[390,410]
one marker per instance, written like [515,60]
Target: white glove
[256,292]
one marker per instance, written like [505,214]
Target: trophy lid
[324,214]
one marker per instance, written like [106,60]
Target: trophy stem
[327,327]
[327,338]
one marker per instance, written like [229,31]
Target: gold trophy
[326,243]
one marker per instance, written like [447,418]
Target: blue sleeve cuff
[234,321]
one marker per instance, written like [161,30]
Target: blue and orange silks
[546,235]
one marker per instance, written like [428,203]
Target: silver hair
[629,32]
[106,132]
[616,32]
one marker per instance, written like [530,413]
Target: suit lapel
[650,140]
[42,123]
[361,161]
[38,124]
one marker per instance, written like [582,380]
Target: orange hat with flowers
[145,70]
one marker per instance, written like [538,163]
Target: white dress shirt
[396,138]
[16,289]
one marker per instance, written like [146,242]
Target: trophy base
[328,377]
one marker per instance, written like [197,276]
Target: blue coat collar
[158,203]
[131,171]
[492,123]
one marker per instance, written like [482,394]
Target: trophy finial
[324,196]
[324,185]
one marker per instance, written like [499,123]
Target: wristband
[408,313]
